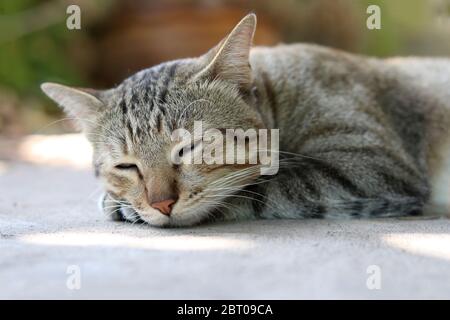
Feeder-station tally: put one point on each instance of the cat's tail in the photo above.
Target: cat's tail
(382, 207)
(374, 207)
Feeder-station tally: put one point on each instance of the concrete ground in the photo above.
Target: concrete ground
(52, 235)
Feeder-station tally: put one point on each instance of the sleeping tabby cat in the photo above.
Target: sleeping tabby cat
(359, 136)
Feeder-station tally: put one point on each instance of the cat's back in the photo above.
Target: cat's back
(297, 77)
(292, 61)
(432, 75)
(427, 73)
(321, 75)
(412, 93)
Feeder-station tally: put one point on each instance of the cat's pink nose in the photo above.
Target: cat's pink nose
(164, 206)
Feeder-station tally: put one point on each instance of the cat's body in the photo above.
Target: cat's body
(359, 137)
(381, 127)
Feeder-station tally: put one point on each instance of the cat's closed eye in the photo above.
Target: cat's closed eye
(129, 167)
(126, 166)
(188, 149)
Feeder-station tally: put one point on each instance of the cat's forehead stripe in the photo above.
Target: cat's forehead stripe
(169, 76)
(151, 86)
(144, 97)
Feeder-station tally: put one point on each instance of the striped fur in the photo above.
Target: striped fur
(359, 137)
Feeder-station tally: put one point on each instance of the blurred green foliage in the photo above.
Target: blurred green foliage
(29, 56)
(400, 19)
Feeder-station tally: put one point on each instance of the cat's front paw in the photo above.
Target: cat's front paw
(110, 207)
(117, 210)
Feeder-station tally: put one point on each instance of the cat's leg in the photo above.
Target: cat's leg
(117, 210)
(333, 188)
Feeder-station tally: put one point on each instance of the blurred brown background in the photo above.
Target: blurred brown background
(118, 38)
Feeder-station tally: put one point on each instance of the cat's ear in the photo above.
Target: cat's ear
(229, 60)
(81, 104)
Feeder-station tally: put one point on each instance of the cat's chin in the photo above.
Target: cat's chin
(157, 220)
(176, 219)
(163, 221)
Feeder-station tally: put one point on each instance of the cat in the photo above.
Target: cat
(358, 136)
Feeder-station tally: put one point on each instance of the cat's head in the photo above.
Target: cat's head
(131, 126)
